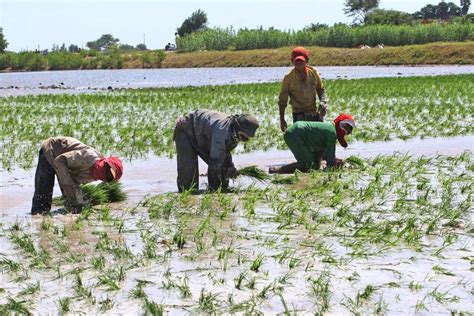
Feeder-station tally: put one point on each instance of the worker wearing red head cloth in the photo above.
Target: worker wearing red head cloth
(311, 141)
(74, 163)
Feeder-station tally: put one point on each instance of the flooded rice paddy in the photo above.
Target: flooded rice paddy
(390, 235)
(88, 81)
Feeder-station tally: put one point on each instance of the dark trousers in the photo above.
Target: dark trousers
(187, 157)
(301, 116)
(44, 184)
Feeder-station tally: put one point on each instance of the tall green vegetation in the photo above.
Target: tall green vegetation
(336, 36)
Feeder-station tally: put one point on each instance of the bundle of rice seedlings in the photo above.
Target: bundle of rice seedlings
(253, 172)
(355, 162)
(114, 191)
(101, 193)
(95, 194)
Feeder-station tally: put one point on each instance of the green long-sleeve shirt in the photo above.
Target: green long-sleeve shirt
(308, 139)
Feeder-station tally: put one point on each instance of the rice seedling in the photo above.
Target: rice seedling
(365, 99)
(208, 301)
(152, 308)
(30, 289)
(64, 305)
(257, 262)
(253, 172)
(13, 306)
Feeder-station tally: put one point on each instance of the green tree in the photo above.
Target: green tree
(105, 42)
(197, 21)
(393, 17)
(465, 4)
(316, 27)
(359, 9)
(3, 41)
(442, 11)
(141, 47)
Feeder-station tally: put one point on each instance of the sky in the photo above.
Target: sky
(33, 24)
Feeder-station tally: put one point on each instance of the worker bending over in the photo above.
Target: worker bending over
(210, 135)
(312, 141)
(74, 163)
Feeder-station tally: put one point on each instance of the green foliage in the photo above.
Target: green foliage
(197, 21)
(104, 192)
(61, 60)
(393, 17)
(339, 35)
(3, 41)
(211, 39)
(106, 41)
(359, 9)
(442, 11)
(253, 172)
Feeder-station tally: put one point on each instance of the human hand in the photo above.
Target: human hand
(232, 172)
(283, 126)
(322, 110)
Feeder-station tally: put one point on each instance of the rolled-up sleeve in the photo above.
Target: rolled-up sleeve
(63, 165)
(284, 92)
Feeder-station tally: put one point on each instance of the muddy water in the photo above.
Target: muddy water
(80, 81)
(157, 175)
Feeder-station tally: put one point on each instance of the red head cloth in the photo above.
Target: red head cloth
(98, 171)
(299, 53)
(341, 132)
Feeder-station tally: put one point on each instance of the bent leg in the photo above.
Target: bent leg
(187, 158)
(299, 149)
(44, 185)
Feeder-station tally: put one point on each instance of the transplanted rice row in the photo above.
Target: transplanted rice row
(135, 123)
(389, 234)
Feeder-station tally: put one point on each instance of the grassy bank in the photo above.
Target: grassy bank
(447, 53)
(428, 54)
(133, 123)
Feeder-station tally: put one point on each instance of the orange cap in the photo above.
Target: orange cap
(299, 53)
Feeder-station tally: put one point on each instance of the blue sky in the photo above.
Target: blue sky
(40, 23)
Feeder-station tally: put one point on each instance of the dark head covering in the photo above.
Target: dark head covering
(245, 123)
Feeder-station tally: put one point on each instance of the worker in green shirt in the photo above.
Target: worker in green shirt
(311, 141)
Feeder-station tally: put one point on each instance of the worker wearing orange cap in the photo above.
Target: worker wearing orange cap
(74, 163)
(302, 85)
(310, 141)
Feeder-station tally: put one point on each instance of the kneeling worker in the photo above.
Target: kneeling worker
(210, 135)
(74, 163)
(311, 141)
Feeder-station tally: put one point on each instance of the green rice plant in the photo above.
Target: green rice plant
(208, 301)
(238, 281)
(320, 288)
(30, 289)
(13, 306)
(152, 308)
(413, 108)
(64, 305)
(179, 239)
(253, 172)
(257, 262)
(355, 161)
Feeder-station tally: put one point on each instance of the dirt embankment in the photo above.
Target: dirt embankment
(428, 54)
